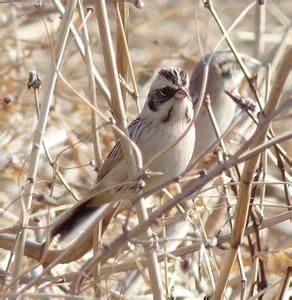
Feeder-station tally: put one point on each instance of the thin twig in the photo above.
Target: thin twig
(123, 36)
(92, 89)
(285, 284)
(117, 244)
(81, 48)
(39, 134)
(260, 23)
(34, 82)
(119, 113)
(121, 240)
(34, 249)
(248, 173)
(122, 11)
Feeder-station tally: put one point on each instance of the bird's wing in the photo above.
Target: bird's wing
(116, 153)
(78, 217)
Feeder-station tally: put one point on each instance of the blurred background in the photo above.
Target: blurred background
(162, 33)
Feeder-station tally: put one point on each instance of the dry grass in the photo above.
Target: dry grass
(199, 253)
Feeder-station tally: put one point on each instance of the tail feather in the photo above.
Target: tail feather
(78, 220)
(82, 217)
(70, 220)
(78, 223)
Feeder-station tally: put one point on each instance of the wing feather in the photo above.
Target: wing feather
(116, 154)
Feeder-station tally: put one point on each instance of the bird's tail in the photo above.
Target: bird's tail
(78, 220)
(71, 220)
(77, 223)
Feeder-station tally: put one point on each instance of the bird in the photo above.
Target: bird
(167, 114)
(224, 74)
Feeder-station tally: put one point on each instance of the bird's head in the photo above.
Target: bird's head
(168, 96)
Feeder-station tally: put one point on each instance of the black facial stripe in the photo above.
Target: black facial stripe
(167, 118)
(151, 102)
(165, 93)
(227, 67)
(157, 97)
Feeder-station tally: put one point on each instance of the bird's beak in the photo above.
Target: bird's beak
(182, 93)
(251, 62)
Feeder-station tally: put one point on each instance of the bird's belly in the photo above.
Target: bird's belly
(205, 130)
(174, 161)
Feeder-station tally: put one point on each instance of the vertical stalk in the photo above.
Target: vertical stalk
(98, 79)
(260, 22)
(242, 207)
(123, 39)
(120, 115)
(92, 89)
(122, 62)
(113, 81)
(39, 134)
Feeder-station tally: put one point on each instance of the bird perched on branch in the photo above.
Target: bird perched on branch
(224, 74)
(165, 121)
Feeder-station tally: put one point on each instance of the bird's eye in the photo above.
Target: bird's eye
(163, 92)
(227, 69)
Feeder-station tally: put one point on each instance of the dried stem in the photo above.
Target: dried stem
(39, 134)
(80, 46)
(34, 249)
(126, 53)
(260, 23)
(92, 89)
(225, 189)
(35, 83)
(250, 166)
(119, 265)
(285, 284)
(197, 185)
(122, 10)
(119, 113)
(7, 242)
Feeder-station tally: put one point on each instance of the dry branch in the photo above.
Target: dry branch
(242, 208)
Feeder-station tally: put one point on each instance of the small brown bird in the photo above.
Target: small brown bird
(224, 74)
(166, 115)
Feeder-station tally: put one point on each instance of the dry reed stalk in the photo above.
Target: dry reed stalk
(92, 88)
(225, 189)
(260, 25)
(278, 13)
(250, 166)
(119, 113)
(283, 44)
(113, 80)
(56, 284)
(285, 284)
(34, 82)
(262, 292)
(139, 229)
(270, 38)
(122, 11)
(123, 41)
(34, 250)
(99, 81)
(187, 250)
(38, 137)
(94, 119)
(52, 258)
(209, 5)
